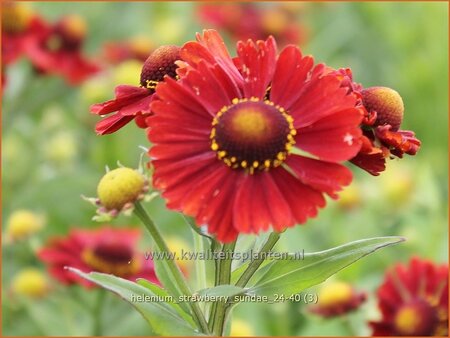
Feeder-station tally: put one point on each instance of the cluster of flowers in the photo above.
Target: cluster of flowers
(236, 141)
(246, 21)
(57, 48)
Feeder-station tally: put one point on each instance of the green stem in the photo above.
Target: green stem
(256, 263)
(174, 269)
(97, 313)
(200, 268)
(224, 278)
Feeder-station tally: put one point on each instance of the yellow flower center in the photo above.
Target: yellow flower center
(23, 223)
(119, 187)
(113, 258)
(334, 294)
(252, 134)
(417, 318)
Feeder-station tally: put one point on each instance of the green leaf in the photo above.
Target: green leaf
(163, 293)
(222, 291)
(163, 319)
(289, 277)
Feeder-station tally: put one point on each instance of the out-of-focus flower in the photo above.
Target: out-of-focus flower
(383, 114)
(240, 328)
(19, 23)
(126, 72)
(413, 300)
(177, 246)
(228, 128)
(132, 102)
(58, 50)
(61, 148)
(397, 185)
(137, 48)
(30, 282)
(106, 250)
(337, 298)
(350, 197)
(244, 21)
(22, 224)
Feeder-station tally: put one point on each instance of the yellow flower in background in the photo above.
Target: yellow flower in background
(397, 184)
(30, 282)
(350, 197)
(127, 72)
(22, 224)
(240, 328)
(177, 245)
(61, 148)
(337, 298)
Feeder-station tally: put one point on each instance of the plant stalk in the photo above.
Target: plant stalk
(174, 269)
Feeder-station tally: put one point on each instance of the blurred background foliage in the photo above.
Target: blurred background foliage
(51, 155)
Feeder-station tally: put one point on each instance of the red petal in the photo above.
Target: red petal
(290, 75)
(334, 138)
(257, 62)
(322, 176)
(112, 123)
(125, 95)
(320, 98)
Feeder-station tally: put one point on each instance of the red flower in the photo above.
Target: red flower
(223, 136)
(19, 24)
(414, 300)
(248, 21)
(383, 115)
(57, 50)
(106, 250)
(133, 49)
(133, 102)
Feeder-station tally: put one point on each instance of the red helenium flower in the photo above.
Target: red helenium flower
(106, 250)
(383, 115)
(19, 24)
(224, 136)
(413, 300)
(57, 49)
(132, 102)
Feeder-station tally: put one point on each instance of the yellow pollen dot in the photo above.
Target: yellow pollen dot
(267, 163)
(255, 164)
(234, 101)
(222, 153)
(214, 146)
(244, 164)
(280, 156)
(233, 159)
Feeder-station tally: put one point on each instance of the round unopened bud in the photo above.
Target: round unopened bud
(160, 63)
(120, 187)
(387, 103)
(30, 282)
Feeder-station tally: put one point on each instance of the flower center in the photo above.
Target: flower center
(417, 318)
(113, 258)
(252, 134)
(160, 63)
(15, 18)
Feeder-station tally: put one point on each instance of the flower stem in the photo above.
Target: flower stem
(256, 263)
(174, 269)
(98, 313)
(224, 277)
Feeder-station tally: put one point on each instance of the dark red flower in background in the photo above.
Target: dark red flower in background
(383, 114)
(133, 102)
(414, 300)
(19, 24)
(226, 136)
(106, 250)
(138, 48)
(57, 49)
(244, 21)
